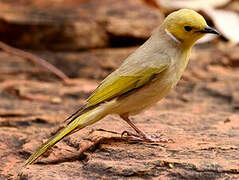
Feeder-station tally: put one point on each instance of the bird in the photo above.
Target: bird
(145, 77)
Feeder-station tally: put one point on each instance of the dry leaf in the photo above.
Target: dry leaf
(234, 6)
(192, 4)
(227, 22)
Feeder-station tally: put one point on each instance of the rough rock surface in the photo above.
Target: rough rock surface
(201, 115)
(71, 25)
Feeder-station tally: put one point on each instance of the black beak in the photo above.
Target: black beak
(211, 30)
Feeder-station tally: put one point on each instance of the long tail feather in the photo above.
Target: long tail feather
(80, 122)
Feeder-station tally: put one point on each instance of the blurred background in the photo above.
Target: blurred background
(55, 52)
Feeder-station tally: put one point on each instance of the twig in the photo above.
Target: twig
(35, 59)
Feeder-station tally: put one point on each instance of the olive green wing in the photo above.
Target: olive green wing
(132, 74)
(117, 84)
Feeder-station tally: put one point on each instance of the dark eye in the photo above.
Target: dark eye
(187, 28)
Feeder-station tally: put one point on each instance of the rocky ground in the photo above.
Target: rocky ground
(201, 115)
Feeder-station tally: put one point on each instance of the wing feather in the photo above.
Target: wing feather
(126, 78)
(114, 85)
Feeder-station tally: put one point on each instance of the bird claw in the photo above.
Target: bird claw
(131, 136)
(146, 138)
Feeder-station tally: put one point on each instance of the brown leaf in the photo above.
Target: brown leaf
(226, 22)
(192, 4)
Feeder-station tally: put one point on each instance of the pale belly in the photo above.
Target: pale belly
(146, 96)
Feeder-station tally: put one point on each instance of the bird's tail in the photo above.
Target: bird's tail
(80, 122)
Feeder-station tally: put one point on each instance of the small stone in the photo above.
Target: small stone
(171, 165)
(56, 100)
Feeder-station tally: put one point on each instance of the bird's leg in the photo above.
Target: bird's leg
(141, 136)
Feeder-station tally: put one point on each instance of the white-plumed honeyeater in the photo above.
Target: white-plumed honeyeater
(143, 79)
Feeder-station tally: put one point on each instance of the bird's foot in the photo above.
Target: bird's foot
(145, 138)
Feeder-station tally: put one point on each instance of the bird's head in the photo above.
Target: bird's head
(187, 26)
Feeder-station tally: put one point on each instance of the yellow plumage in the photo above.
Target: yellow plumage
(144, 78)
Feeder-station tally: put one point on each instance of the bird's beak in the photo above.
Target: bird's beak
(211, 30)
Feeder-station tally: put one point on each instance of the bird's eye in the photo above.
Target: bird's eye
(187, 28)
